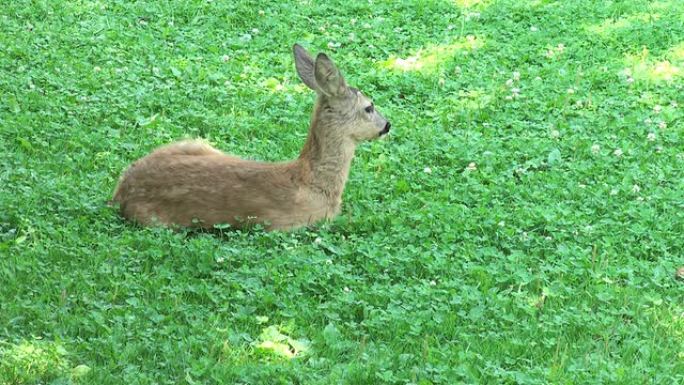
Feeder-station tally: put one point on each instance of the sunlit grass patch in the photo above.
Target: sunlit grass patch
(273, 342)
(666, 68)
(35, 362)
(433, 57)
(665, 5)
(472, 3)
(610, 26)
(676, 53)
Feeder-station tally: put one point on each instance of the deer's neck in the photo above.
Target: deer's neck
(326, 158)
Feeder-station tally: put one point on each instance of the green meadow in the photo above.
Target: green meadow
(522, 223)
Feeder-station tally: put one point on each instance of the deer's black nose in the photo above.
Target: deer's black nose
(386, 129)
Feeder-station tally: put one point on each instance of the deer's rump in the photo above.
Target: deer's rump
(205, 190)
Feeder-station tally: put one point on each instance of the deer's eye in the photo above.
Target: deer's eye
(369, 109)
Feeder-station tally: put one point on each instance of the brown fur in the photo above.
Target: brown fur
(190, 183)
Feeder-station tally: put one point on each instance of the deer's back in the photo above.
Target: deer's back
(207, 187)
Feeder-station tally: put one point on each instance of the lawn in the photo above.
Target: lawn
(522, 224)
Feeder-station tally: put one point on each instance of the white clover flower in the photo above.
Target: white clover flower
(509, 97)
(433, 283)
(618, 152)
(555, 134)
(613, 191)
(261, 12)
(427, 170)
(538, 78)
(516, 75)
(534, 29)
(561, 47)
(630, 80)
(515, 91)
(657, 108)
(595, 149)
(255, 30)
(662, 125)
(346, 289)
(651, 136)
(501, 224)
(225, 58)
(648, 121)
(509, 83)
(97, 69)
(636, 189)
(328, 262)
(571, 91)
(673, 104)
(471, 166)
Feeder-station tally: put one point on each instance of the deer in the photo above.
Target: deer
(190, 183)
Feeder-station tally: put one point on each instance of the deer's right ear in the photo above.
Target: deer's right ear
(305, 66)
(328, 77)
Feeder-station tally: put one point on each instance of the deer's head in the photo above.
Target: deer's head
(340, 107)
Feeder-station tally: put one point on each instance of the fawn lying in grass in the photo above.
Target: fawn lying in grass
(190, 183)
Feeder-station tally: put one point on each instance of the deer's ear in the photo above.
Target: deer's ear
(328, 77)
(305, 66)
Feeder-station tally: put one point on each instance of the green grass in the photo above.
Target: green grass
(550, 260)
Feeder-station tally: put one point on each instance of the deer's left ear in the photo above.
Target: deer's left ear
(328, 77)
